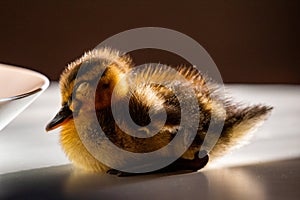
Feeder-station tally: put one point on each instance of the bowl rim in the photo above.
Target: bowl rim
(43, 87)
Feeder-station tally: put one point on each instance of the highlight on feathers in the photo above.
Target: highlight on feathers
(103, 79)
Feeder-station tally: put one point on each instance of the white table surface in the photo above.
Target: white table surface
(267, 168)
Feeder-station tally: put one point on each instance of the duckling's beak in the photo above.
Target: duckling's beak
(60, 118)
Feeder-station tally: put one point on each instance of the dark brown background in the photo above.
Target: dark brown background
(250, 41)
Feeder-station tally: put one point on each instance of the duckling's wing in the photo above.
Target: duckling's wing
(239, 120)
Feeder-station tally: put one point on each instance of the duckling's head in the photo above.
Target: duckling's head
(88, 83)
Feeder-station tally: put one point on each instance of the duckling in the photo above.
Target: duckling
(113, 76)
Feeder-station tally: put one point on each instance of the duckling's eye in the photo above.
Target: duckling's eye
(81, 87)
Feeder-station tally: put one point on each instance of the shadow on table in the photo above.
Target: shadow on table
(274, 180)
(63, 182)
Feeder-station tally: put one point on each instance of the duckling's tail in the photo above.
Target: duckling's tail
(237, 127)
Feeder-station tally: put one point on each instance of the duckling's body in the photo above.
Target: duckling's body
(116, 74)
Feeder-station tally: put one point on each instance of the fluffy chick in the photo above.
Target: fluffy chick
(106, 71)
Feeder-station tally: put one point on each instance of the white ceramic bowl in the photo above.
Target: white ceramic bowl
(19, 87)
